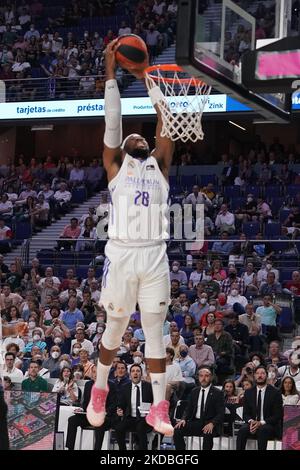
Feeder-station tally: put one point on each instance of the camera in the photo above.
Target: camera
(249, 370)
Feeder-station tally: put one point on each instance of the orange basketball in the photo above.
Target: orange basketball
(132, 54)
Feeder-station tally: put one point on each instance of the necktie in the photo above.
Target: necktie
(202, 403)
(138, 401)
(258, 410)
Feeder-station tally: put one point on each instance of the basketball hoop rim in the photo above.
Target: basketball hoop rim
(171, 68)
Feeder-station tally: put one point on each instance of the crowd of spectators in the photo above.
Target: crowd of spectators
(37, 42)
(40, 193)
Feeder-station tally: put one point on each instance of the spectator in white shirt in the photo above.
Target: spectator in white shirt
(196, 197)
(263, 273)
(174, 377)
(25, 194)
(6, 207)
(198, 275)
(172, 8)
(124, 29)
(85, 343)
(62, 197)
(12, 196)
(158, 7)
(225, 220)
(9, 369)
(49, 275)
(24, 18)
(47, 192)
(235, 297)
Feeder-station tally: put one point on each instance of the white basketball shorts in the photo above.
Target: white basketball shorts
(135, 275)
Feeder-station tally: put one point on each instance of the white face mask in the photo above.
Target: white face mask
(137, 359)
(36, 338)
(77, 375)
(57, 340)
(256, 362)
(234, 292)
(185, 308)
(100, 330)
(211, 308)
(271, 375)
(175, 269)
(203, 301)
(76, 350)
(249, 199)
(55, 354)
(208, 278)
(31, 324)
(268, 266)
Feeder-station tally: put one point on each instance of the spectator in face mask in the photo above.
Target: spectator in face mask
(179, 311)
(37, 336)
(52, 363)
(55, 336)
(97, 336)
(63, 361)
(272, 378)
(234, 297)
(85, 343)
(232, 279)
(199, 308)
(75, 350)
(187, 366)
(178, 274)
(263, 273)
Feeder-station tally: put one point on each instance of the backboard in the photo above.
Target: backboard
(213, 35)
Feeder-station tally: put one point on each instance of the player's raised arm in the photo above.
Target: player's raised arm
(112, 155)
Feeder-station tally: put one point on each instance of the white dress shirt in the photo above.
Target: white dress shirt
(207, 389)
(263, 391)
(133, 397)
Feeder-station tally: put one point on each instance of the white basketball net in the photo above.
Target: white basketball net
(183, 105)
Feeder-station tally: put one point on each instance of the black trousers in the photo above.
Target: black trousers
(263, 434)
(79, 420)
(137, 425)
(193, 428)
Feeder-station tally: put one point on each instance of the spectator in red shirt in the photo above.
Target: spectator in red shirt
(71, 231)
(5, 236)
(293, 286)
(109, 37)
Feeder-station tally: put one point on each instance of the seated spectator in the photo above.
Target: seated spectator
(289, 393)
(218, 273)
(167, 338)
(187, 366)
(62, 198)
(76, 175)
(225, 221)
(270, 287)
(6, 208)
(291, 226)
(252, 320)
(261, 250)
(222, 346)
(293, 287)
(263, 421)
(93, 176)
(66, 387)
(39, 359)
(250, 279)
(240, 336)
(197, 197)
(234, 297)
(231, 280)
(52, 362)
(87, 365)
(273, 378)
(263, 272)
(174, 344)
(263, 210)
(72, 315)
(268, 313)
(49, 274)
(85, 343)
(120, 376)
(34, 383)
(128, 357)
(37, 340)
(177, 274)
(201, 353)
(205, 420)
(71, 232)
(175, 289)
(292, 369)
(9, 368)
(128, 409)
(187, 331)
(58, 334)
(275, 356)
(198, 275)
(200, 307)
(174, 377)
(87, 236)
(207, 323)
(223, 247)
(5, 237)
(248, 210)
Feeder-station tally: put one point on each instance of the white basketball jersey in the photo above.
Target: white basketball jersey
(139, 203)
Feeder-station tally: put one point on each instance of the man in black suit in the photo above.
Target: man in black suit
(130, 399)
(263, 412)
(204, 413)
(80, 420)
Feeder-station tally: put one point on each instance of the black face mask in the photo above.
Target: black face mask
(140, 153)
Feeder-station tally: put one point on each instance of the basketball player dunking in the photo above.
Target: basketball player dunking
(136, 270)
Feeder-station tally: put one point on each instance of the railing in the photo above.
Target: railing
(58, 88)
